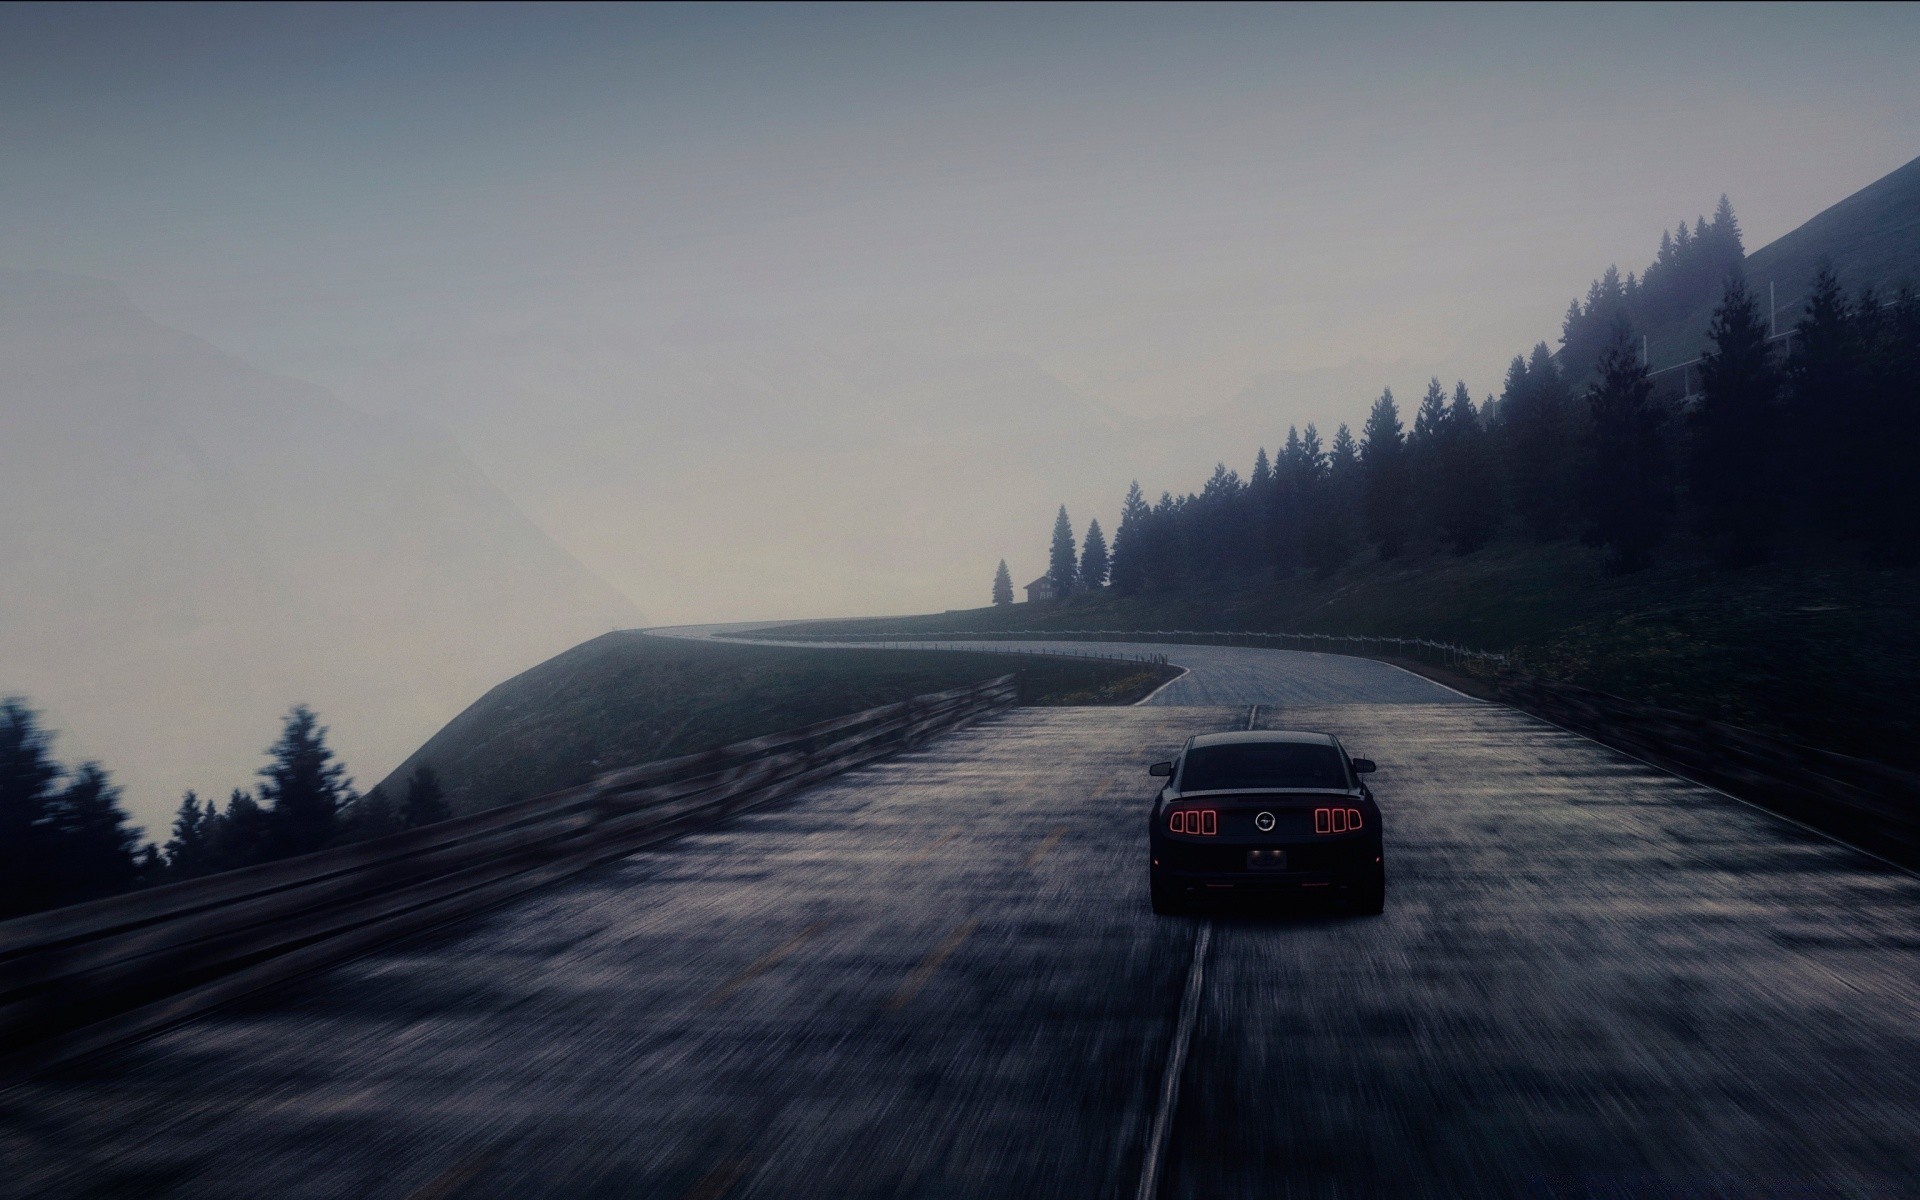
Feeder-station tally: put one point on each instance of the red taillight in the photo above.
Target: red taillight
(1336, 820)
(1202, 822)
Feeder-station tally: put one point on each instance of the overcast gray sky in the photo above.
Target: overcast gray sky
(1156, 207)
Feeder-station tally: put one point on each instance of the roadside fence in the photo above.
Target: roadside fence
(1425, 649)
(79, 979)
(1868, 803)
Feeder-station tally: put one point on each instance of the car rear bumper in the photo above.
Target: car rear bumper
(1224, 867)
(1225, 882)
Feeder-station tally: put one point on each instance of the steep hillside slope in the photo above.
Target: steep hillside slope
(628, 697)
(191, 545)
(1825, 652)
(1872, 238)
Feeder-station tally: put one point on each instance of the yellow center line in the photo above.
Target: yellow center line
(761, 965)
(451, 1181)
(1048, 843)
(935, 844)
(717, 1182)
(930, 964)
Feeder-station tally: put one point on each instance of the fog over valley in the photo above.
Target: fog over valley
(194, 545)
(364, 358)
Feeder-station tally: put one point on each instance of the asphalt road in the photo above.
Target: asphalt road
(938, 976)
(1215, 674)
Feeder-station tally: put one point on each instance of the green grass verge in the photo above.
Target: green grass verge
(1824, 651)
(627, 698)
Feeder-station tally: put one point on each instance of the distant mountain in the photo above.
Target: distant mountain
(775, 477)
(191, 545)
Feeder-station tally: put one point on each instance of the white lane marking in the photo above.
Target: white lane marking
(1424, 679)
(1153, 1161)
(1184, 672)
(1253, 714)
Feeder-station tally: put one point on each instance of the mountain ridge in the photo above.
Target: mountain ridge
(195, 544)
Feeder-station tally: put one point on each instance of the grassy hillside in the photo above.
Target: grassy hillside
(1872, 237)
(626, 698)
(1826, 652)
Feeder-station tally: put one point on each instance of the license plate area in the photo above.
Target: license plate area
(1266, 860)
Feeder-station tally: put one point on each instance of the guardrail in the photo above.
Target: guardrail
(77, 980)
(1332, 643)
(1868, 803)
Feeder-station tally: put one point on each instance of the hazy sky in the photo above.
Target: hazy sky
(1157, 207)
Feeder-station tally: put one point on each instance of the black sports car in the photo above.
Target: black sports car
(1265, 811)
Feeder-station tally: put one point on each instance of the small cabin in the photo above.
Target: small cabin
(1041, 589)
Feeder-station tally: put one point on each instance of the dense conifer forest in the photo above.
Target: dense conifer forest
(64, 837)
(1768, 443)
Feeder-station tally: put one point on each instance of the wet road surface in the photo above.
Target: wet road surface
(938, 976)
(1215, 674)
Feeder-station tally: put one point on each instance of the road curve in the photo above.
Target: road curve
(1215, 674)
(938, 976)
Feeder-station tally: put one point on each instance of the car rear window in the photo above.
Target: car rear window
(1262, 765)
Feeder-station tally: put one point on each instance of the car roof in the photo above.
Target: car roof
(1257, 736)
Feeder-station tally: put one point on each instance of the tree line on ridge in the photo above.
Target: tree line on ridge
(64, 837)
(1811, 435)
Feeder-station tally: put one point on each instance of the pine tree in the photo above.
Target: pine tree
(1221, 526)
(1062, 565)
(1571, 327)
(1128, 572)
(28, 775)
(1469, 500)
(1888, 335)
(1332, 524)
(426, 799)
(1429, 418)
(1424, 458)
(304, 787)
(1726, 233)
(92, 851)
(1285, 514)
(191, 851)
(1736, 478)
(1313, 457)
(1260, 518)
(1002, 585)
(243, 834)
(1828, 406)
(1343, 454)
(1383, 457)
(152, 867)
(1539, 443)
(373, 815)
(1627, 489)
(1166, 556)
(1093, 558)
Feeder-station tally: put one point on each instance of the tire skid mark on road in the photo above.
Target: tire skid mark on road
(926, 852)
(454, 1180)
(1049, 842)
(763, 964)
(931, 964)
(717, 1182)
